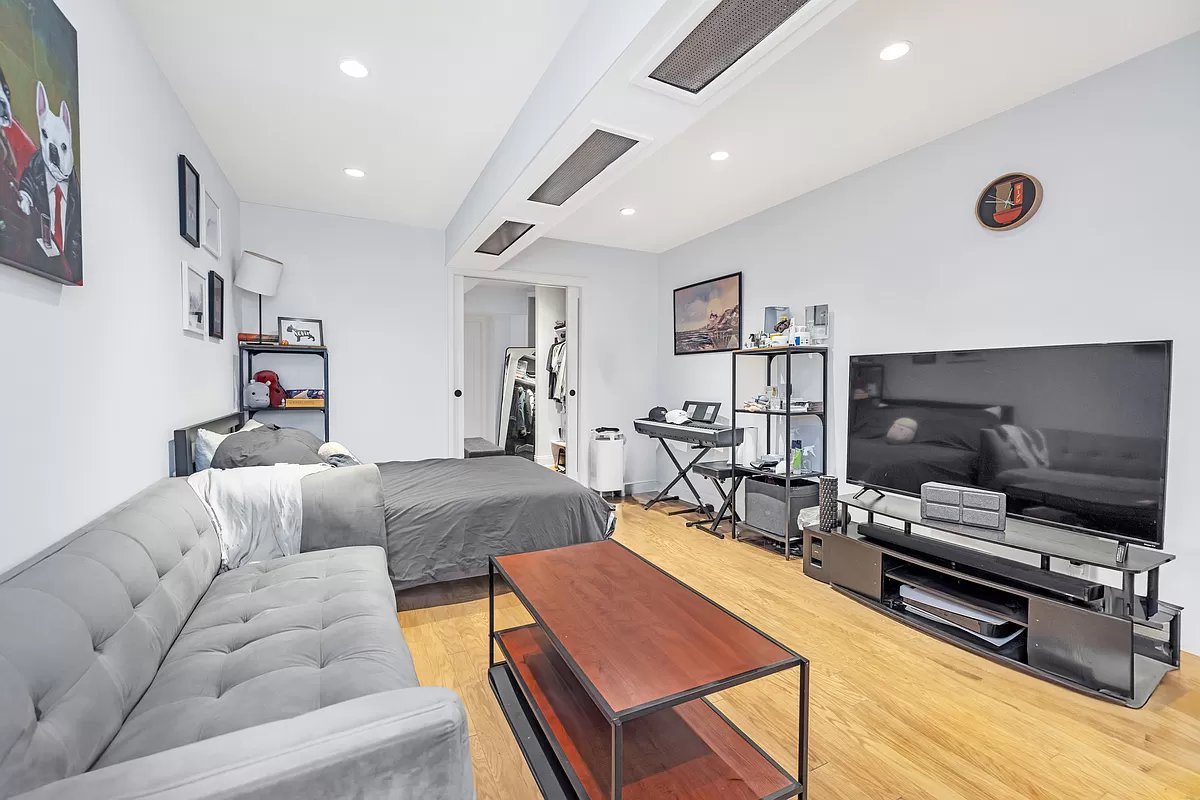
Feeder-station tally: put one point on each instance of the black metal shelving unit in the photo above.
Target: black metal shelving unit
(246, 353)
(786, 415)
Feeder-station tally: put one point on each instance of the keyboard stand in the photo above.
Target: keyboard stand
(681, 473)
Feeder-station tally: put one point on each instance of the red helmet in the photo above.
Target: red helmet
(271, 379)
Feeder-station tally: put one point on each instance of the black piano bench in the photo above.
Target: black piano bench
(718, 472)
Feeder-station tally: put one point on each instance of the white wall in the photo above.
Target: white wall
(97, 377)
(617, 332)
(896, 252)
(381, 291)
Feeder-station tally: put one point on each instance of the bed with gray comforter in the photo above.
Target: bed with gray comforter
(443, 517)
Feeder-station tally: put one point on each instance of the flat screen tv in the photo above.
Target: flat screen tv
(1075, 436)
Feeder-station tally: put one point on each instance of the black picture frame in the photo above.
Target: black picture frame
(216, 305)
(189, 224)
(318, 337)
(735, 342)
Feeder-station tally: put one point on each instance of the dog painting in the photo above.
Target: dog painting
(301, 332)
(40, 201)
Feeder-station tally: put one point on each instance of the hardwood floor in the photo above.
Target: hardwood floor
(896, 715)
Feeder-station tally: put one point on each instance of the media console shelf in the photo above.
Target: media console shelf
(1101, 640)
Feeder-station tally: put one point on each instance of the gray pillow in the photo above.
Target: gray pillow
(263, 447)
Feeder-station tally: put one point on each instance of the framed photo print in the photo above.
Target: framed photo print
(866, 382)
(708, 316)
(301, 332)
(195, 300)
(210, 231)
(189, 202)
(216, 305)
(40, 161)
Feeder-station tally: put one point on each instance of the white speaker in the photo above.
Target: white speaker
(963, 504)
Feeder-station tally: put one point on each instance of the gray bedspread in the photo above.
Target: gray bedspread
(446, 516)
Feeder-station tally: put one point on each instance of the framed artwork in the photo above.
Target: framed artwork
(40, 199)
(189, 202)
(301, 332)
(1008, 202)
(210, 231)
(195, 300)
(708, 316)
(216, 305)
(866, 382)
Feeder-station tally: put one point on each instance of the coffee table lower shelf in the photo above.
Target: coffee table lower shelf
(689, 750)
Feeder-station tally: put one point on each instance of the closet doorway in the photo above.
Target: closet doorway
(515, 393)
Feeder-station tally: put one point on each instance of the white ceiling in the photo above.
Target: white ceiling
(260, 80)
(831, 107)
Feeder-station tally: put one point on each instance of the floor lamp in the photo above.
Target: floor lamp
(259, 274)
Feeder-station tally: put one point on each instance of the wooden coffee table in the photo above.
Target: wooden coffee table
(606, 691)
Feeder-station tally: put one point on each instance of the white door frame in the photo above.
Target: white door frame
(481, 369)
(575, 286)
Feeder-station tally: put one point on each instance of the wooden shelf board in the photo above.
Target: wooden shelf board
(688, 750)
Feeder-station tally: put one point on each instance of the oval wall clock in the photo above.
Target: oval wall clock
(1008, 202)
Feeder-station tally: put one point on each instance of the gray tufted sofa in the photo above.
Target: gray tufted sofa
(130, 668)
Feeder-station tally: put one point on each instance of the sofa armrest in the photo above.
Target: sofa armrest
(408, 744)
(343, 507)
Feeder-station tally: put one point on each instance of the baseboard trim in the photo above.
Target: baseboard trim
(642, 487)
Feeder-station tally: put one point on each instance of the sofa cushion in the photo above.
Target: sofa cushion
(84, 627)
(270, 641)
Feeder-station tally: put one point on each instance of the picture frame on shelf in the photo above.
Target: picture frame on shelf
(301, 332)
(189, 202)
(210, 229)
(708, 316)
(195, 299)
(216, 305)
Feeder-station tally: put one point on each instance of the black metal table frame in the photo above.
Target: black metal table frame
(798, 784)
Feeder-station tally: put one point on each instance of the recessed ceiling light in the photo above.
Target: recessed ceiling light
(354, 172)
(355, 69)
(720, 155)
(895, 50)
(628, 212)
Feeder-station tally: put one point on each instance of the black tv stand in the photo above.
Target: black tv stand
(865, 489)
(1101, 640)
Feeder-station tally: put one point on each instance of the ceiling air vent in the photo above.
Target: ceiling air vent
(591, 158)
(504, 237)
(731, 30)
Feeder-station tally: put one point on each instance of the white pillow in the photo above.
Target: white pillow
(251, 425)
(207, 443)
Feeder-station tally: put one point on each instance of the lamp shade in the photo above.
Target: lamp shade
(258, 273)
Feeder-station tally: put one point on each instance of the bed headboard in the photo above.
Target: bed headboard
(1004, 413)
(183, 443)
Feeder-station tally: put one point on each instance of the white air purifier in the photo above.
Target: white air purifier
(606, 460)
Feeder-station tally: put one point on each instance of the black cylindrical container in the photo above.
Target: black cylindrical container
(827, 495)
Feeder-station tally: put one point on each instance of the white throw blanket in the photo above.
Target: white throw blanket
(257, 511)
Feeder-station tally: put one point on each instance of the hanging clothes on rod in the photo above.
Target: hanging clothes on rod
(556, 366)
(518, 403)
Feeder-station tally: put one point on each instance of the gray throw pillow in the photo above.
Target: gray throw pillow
(264, 447)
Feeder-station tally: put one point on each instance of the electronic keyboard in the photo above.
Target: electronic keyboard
(702, 434)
